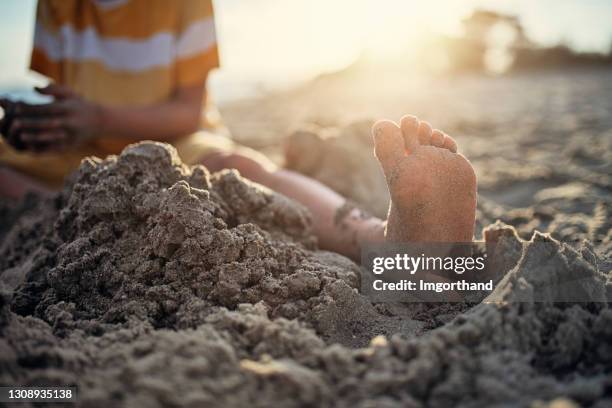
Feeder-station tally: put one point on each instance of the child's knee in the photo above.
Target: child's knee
(247, 166)
(244, 164)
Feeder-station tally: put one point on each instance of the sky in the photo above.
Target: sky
(288, 39)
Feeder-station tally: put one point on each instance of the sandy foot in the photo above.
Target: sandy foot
(432, 187)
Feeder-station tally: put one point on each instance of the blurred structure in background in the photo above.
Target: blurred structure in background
(496, 43)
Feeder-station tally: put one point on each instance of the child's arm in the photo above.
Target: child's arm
(70, 116)
(165, 121)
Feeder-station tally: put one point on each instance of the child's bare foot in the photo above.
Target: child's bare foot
(433, 188)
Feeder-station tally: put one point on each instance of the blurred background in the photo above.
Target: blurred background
(266, 44)
(524, 86)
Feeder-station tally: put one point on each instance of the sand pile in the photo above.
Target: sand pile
(144, 237)
(149, 283)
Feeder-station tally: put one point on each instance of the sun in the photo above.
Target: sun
(322, 36)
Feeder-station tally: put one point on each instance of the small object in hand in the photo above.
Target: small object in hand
(13, 139)
(9, 113)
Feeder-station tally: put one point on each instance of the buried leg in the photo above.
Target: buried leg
(339, 227)
(433, 190)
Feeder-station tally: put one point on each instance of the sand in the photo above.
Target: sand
(147, 282)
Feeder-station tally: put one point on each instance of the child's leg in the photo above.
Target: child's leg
(14, 185)
(338, 226)
(432, 188)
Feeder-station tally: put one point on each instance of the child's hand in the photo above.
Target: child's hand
(64, 123)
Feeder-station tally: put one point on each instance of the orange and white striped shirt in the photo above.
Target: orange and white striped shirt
(125, 52)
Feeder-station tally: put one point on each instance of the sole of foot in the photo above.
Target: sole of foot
(432, 187)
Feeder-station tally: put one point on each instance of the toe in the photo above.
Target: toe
(388, 144)
(449, 143)
(410, 126)
(424, 133)
(437, 138)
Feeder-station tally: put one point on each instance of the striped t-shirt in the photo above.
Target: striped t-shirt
(125, 52)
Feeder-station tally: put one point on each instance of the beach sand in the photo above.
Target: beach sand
(150, 283)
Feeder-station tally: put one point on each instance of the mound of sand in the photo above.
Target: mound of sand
(150, 283)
